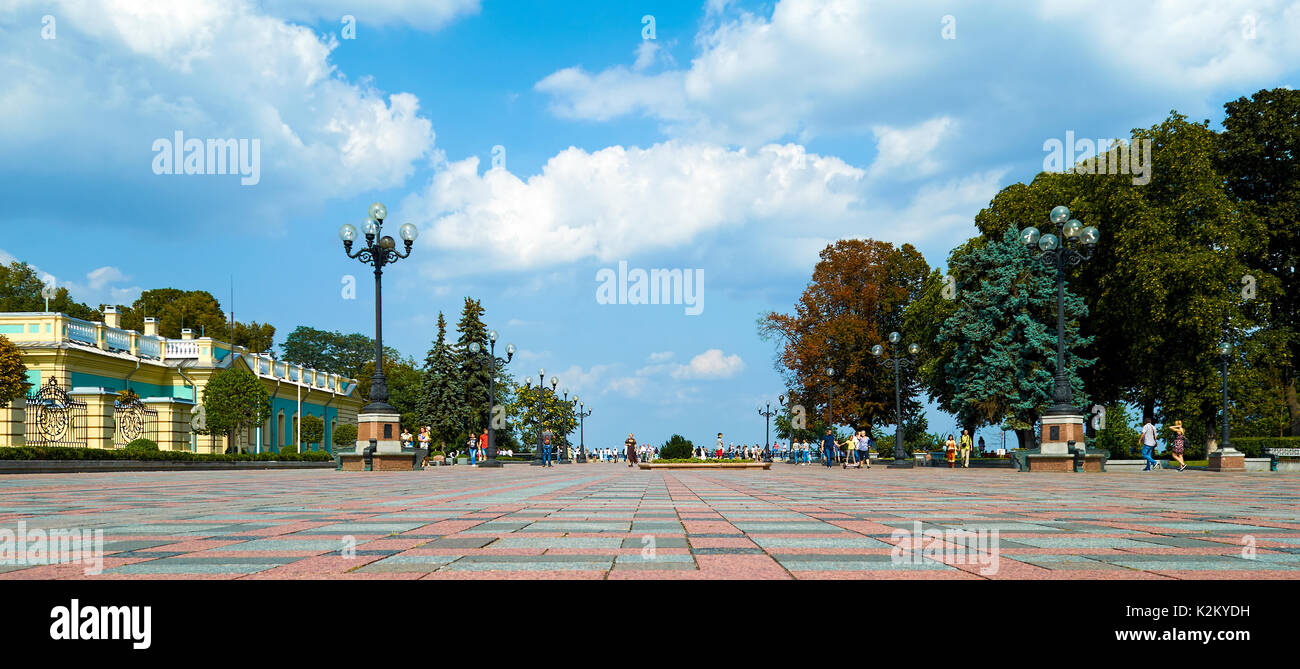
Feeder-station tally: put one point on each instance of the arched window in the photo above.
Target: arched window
(279, 432)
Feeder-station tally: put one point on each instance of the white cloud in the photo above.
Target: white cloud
(100, 286)
(121, 74)
(711, 364)
(619, 201)
(662, 356)
(815, 67)
(909, 152)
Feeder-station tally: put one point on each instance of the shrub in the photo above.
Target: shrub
(345, 435)
(677, 448)
(142, 445)
(289, 449)
(1254, 447)
(313, 429)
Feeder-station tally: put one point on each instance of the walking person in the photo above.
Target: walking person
(1148, 442)
(482, 448)
(1180, 444)
(631, 449)
(982, 450)
(471, 447)
(966, 446)
(547, 449)
(864, 449)
(950, 451)
(828, 447)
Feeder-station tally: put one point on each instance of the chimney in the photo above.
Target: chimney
(151, 327)
(111, 318)
(187, 334)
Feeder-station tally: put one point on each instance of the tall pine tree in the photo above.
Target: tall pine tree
(441, 403)
(1005, 352)
(473, 370)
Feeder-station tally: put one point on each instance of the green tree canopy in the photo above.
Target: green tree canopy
(313, 429)
(20, 290)
(13, 373)
(234, 399)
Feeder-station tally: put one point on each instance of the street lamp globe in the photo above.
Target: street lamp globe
(1029, 236)
(1072, 228)
(474, 347)
(492, 336)
(510, 349)
(1060, 215)
(894, 337)
(1090, 235)
(370, 227)
(1225, 349)
(541, 373)
(408, 232)
(913, 348)
(348, 232)
(387, 243)
(877, 350)
(1048, 242)
(378, 211)
(554, 381)
(830, 371)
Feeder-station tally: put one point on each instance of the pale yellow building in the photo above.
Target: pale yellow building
(78, 368)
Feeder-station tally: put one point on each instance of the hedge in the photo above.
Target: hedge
(61, 453)
(1254, 447)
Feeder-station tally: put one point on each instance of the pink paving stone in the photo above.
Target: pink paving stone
(722, 542)
(882, 575)
(549, 575)
(741, 567)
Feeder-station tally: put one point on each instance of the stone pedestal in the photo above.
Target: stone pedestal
(1054, 454)
(1227, 460)
(384, 428)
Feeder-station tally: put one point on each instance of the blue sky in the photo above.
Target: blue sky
(739, 141)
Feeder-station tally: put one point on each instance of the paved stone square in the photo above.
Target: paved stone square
(599, 521)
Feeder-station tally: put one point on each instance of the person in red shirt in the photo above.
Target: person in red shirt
(482, 446)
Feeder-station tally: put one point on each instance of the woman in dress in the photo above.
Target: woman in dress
(950, 450)
(631, 450)
(1180, 444)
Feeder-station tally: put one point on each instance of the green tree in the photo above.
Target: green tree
(256, 337)
(234, 399)
(13, 373)
(352, 355)
(403, 379)
(472, 371)
(313, 430)
(1119, 437)
(345, 435)
(441, 401)
(1005, 353)
(1259, 157)
(677, 448)
(20, 290)
(175, 310)
(532, 406)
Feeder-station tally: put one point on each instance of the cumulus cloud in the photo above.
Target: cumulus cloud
(711, 364)
(105, 285)
(817, 67)
(618, 201)
(213, 69)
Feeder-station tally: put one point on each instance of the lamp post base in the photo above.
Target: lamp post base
(1227, 459)
(900, 464)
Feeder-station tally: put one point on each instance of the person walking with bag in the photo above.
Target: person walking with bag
(966, 446)
(950, 451)
(1148, 442)
(1180, 444)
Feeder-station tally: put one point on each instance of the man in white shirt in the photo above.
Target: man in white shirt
(1149, 444)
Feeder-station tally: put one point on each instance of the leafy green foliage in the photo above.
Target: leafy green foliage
(233, 399)
(345, 434)
(142, 445)
(676, 448)
(441, 401)
(13, 373)
(349, 355)
(20, 290)
(313, 429)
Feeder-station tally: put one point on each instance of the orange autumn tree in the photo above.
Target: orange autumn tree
(857, 296)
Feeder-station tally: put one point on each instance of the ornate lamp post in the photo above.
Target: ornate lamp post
(1071, 245)
(474, 348)
(378, 419)
(1226, 458)
(541, 400)
(582, 443)
(897, 363)
(767, 428)
(564, 452)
